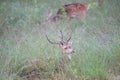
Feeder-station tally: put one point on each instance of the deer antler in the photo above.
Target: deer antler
(51, 41)
(61, 36)
(61, 41)
(69, 39)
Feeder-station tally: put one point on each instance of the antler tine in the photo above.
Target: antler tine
(69, 39)
(51, 41)
(61, 36)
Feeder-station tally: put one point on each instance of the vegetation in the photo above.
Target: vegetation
(26, 54)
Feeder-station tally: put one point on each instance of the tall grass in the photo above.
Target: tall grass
(24, 48)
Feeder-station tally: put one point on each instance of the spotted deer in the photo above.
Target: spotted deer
(100, 2)
(73, 10)
(66, 46)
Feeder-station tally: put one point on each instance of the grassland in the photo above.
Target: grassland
(25, 54)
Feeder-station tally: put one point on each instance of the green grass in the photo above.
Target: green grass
(96, 41)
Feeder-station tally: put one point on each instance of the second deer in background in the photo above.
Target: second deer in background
(71, 10)
(100, 2)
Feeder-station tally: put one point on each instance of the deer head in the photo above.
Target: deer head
(66, 46)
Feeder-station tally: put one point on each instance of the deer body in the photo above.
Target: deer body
(100, 2)
(72, 11)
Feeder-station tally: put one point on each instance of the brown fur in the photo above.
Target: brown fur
(100, 2)
(72, 11)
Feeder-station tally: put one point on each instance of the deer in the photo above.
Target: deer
(100, 2)
(73, 10)
(66, 46)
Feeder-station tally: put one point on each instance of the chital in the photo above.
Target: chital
(66, 46)
(73, 10)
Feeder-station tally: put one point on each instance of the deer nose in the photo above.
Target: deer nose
(73, 51)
